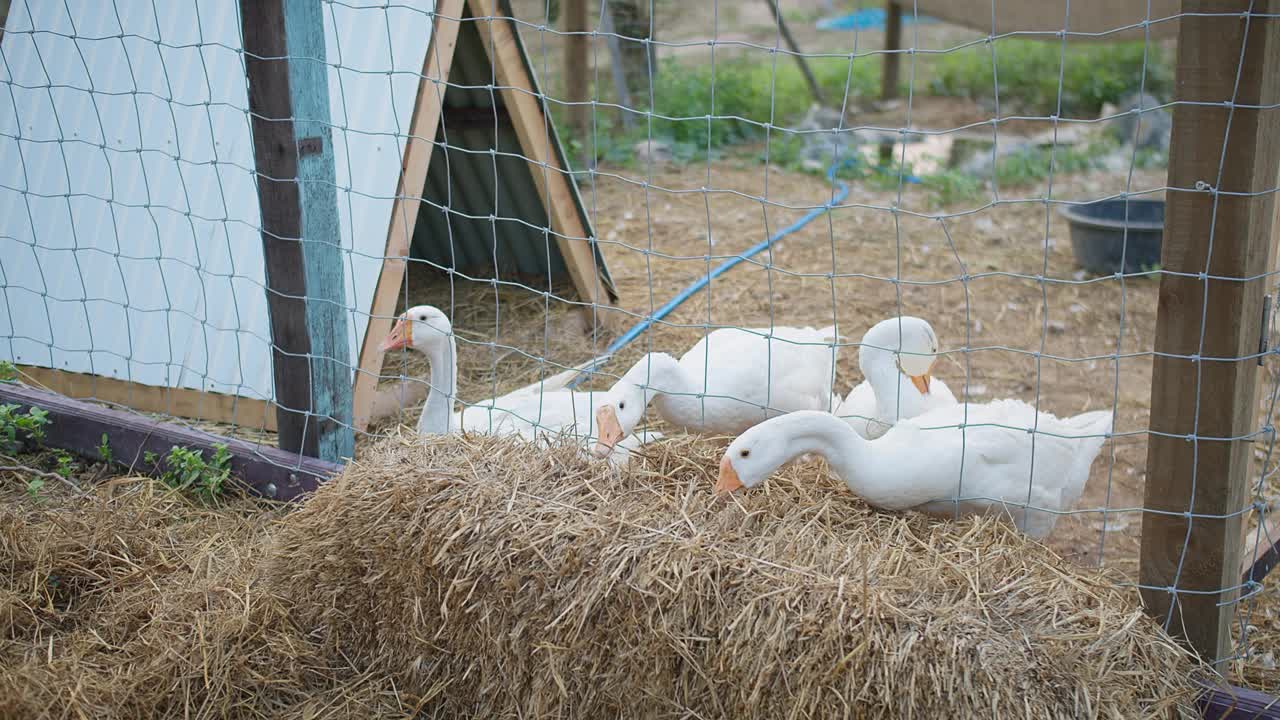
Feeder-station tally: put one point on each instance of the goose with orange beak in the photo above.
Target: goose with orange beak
(543, 408)
(957, 460)
(730, 380)
(896, 356)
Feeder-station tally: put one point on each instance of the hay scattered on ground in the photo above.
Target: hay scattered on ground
(475, 576)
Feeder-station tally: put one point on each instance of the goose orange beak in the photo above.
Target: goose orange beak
(921, 382)
(609, 428)
(399, 337)
(728, 481)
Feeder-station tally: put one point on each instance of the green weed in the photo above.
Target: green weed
(64, 463)
(18, 428)
(186, 469)
(104, 449)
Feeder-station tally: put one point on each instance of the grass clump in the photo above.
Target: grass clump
(699, 108)
(1028, 72)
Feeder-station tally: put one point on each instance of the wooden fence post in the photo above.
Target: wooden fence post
(1208, 327)
(890, 65)
(576, 74)
(293, 154)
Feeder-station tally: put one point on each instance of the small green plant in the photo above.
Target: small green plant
(34, 485)
(951, 186)
(104, 449)
(8, 372)
(150, 458)
(64, 464)
(18, 428)
(186, 469)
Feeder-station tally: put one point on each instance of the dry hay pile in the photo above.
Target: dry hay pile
(478, 577)
(136, 603)
(514, 582)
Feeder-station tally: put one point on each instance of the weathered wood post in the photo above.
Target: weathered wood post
(890, 65)
(1223, 166)
(577, 62)
(293, 153)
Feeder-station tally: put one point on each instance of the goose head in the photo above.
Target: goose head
(755, 454)
(617, 415)
(623, 406)
(915, 350)
(423, 328)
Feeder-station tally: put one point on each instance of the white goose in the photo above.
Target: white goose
(896, 357)
(725, 382)
(542, 408)
(930, 464)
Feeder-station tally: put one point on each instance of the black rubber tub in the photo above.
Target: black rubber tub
(1099, 238)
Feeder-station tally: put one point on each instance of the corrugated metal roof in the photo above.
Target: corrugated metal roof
(466, 185)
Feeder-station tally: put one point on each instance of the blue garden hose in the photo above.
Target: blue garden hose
(842, 192)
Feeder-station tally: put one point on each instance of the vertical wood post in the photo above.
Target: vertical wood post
(892, 61)
(1208, 328)
(576, 75)
(615, 66)
(293, 154)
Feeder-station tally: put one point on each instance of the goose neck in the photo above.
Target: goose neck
(437, 414)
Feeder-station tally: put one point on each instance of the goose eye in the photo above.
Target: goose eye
(745, 453)
(622, 404)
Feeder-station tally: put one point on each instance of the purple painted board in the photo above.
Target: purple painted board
(1227, 702)
(78, 427)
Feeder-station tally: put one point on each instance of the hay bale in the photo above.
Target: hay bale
(137, 603)
(492, 579)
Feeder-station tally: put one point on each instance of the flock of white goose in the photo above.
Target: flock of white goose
(900, 439)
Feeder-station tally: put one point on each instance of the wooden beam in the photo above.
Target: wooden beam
(890, 64)
(814, 88)
(327, 316)
(1228, 702)
(404, 209)
(1203, 389)
(576, 63)
(179, 402)
(293, 157)
(79, 426)
(533, 129)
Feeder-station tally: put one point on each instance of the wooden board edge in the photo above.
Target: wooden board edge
(419, 146)
(178, 402)
(1228, 702)
(531, 124)
(78, 427)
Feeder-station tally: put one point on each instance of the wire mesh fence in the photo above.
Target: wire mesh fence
(600, 186)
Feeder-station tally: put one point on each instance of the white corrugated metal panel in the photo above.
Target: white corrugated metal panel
(129, 219)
